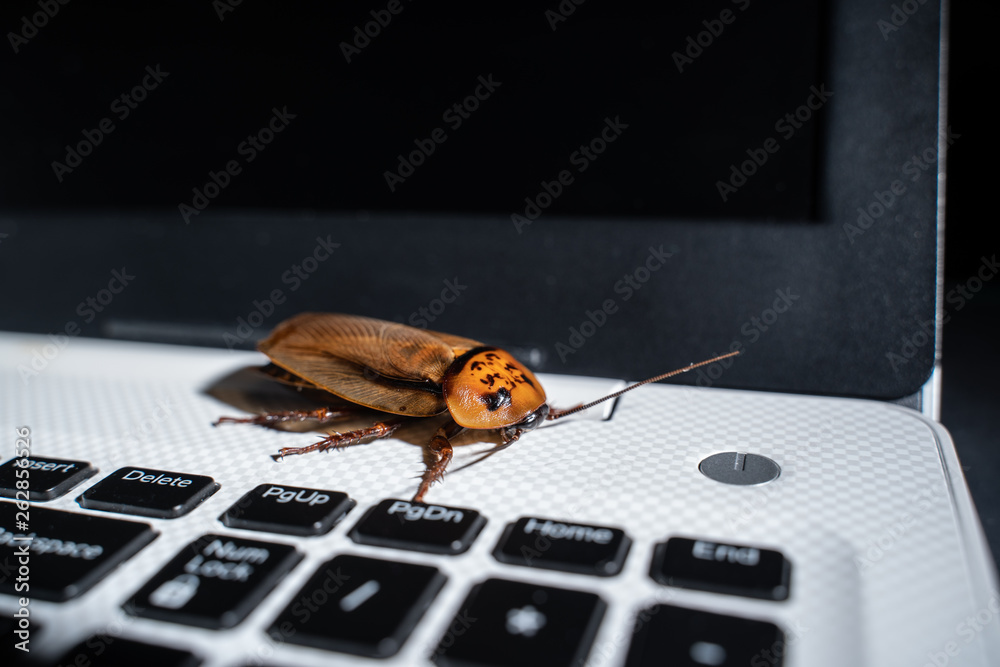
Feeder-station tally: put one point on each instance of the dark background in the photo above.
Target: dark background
(970, 355)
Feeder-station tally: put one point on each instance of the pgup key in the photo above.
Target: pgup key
(291, 510)
(306, 496)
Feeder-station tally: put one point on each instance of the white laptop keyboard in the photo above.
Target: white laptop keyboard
(160, 540)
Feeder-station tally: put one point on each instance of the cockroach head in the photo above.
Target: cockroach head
(528, 423)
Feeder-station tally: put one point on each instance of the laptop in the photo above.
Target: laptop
(604, 194)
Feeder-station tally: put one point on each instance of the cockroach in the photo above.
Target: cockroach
(408, 373)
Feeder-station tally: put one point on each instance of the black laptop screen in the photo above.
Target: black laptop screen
(611, 189)
(646, 110)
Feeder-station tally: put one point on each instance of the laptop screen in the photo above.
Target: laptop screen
(605, 190)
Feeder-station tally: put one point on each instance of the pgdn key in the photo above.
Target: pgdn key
(401, 524)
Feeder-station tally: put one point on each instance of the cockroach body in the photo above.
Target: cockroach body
(408, 373)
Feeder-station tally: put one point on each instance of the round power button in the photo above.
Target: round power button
(740, 468)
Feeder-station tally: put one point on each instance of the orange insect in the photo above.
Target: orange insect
(408, 372)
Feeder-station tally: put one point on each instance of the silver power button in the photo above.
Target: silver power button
(740, 468)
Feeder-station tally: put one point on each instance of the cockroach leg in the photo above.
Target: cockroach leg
(340, 440)
(440, 451)
(321, 416)
(508, 440)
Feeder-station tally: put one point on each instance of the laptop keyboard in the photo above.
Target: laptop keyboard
(366, 606)
(611, 538)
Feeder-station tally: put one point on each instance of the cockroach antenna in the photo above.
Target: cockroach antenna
(565, 413)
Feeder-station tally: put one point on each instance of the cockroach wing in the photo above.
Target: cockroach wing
(458, 344)
(381, 365)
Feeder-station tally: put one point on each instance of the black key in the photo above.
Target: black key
(288, 509)
(68, 552)
(47, 478)
(513, 623)
(722, 568)
(214, 582)
(111, 651)
(357, 605)
(668, 635)
(401, 524)
(549, 544)
(155, 493)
